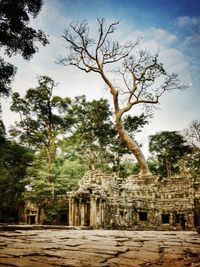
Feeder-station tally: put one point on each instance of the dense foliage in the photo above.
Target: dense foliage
(14, 160)
(16, 36)
(168, 148)
(94, 140)
(42, 118)
(67, 137)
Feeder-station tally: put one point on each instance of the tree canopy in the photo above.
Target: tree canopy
(42, 117)
(16, 36)
(168, 148)
(93, 138)
(14, 160)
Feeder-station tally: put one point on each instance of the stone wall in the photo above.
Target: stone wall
(106, 201)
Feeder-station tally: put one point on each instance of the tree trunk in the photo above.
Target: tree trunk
(91, 158)
(128, 141)
(50, 151)
(133, 147)
(91, 153)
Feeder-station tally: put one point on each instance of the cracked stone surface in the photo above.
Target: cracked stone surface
(68, 247)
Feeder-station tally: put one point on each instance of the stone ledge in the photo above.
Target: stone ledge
(13, 227)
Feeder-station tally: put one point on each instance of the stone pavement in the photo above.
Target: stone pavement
(68, 247)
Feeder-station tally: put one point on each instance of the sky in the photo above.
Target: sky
(171, 27)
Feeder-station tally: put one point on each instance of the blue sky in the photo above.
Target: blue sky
(169, 26)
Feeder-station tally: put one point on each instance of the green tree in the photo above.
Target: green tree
(68, 172)
(14, 160)
(167, 149)
(7, 73)
(40, 189)
(65, 175)
(2, 132)
(43, 117)
(16, 36)
(139, 79)
(94, 140)
(92, 128)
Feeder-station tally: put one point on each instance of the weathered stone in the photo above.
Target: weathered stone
(136, 203)
(143, 255)
(171, 243)
(54, 261)
(22, 262)
(122, 262)
(104, 201)
(103, 249)
(133, 245)
(19, 252)
(99, 248)
(173, 253)
(152, 246)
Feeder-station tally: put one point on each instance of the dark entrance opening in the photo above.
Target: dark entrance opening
(196, 212)
(64, 218)
(182, 221)
(165, 218)
(87, 214)
(31, 219)
(143, 216)
(177, 218)
(197, 219)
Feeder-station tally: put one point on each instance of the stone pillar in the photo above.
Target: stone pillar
(71, 212)
(100, 212)
(190, 222)
(82, 211)
(93, 215)
(171, 218)
(77, 213)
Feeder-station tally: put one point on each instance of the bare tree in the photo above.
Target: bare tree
(141, 79)
(192, 134)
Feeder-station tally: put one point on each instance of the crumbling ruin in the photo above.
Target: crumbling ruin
(106, 201)
(137, 203)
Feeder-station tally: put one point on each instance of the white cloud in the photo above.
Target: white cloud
(160, 36)
(192, 40)
(50, 19)
(157, 40)
(175, 61)
(188, 21)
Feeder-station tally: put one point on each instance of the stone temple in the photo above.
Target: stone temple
(137, 203)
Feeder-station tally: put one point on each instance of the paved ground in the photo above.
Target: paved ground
(68, 247)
